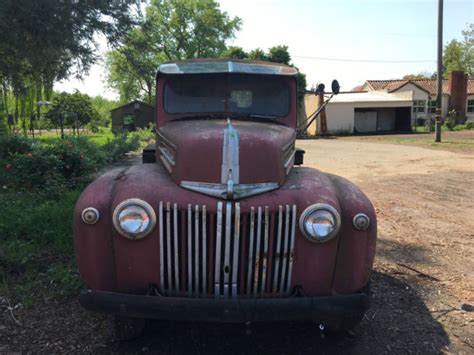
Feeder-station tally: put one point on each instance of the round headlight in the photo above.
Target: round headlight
(320, 222)
(134, 218)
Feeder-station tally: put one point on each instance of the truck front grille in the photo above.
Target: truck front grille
(227, 255)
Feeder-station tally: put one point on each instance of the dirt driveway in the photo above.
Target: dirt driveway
(423, 283)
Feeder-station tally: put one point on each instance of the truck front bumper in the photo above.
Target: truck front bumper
(336, 310)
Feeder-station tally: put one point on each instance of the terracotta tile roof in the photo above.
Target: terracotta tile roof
(359, 88)
(428, 85)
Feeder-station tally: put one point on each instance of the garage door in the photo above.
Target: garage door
(365, 121)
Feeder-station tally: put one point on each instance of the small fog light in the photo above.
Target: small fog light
(361, 221)
(90, 215)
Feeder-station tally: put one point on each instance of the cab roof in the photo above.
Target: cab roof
(212, 66)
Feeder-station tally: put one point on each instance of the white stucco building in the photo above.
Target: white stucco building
(394, 105)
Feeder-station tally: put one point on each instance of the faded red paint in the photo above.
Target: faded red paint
(110, 262)
(198, 152)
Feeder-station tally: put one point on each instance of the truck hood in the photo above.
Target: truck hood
(226, 158)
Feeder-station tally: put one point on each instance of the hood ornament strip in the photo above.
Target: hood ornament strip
(229, 188)
(230, 155)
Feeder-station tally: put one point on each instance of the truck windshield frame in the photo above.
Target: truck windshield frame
(236, 94)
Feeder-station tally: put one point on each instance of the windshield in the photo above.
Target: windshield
(245, 94)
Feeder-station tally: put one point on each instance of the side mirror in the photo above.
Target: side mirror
(320, 89)
(335, 87)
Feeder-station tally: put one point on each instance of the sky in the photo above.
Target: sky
(348, 40)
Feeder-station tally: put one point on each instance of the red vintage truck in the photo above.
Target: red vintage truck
(222, 225)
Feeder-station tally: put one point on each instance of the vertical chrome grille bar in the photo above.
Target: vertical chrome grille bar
(265, 251)
(285, 249)
(257, 251)
(228, 226)
(235, 257)
(196, 250)
(292, 247)
(190, 251)
(217, 271)
(162, 251)
(168, 246)
(204, 252)
(277, 250)
(250, 259)
(176, 252)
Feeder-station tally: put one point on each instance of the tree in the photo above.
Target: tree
(417, 76)
(234, 53)
(76, 110)
(468, 45)
(279, 54)
(49, 40)
(459, 55)
(257, 54)
(453, 57)
(170, 30)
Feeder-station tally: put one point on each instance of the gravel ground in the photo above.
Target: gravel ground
(422, 285)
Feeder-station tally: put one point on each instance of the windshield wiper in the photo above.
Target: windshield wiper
(263, 116)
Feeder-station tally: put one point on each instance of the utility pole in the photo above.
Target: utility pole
(439, 98)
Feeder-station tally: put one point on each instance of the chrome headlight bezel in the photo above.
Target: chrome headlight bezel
(141, 204)
(320, 207)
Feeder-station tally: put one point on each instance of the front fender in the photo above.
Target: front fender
(356, 249)
(94, 244)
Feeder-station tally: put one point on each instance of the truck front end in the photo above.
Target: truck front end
(223, 227)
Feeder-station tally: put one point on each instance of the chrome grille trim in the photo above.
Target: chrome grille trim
(217, 270)
(204, 251)
(227, 241)
(277, 251)
(196, 250)
(265, 251)
(168, 243)
(176, 252)
(254, 251)
(162, 248)
(257, 251)
(251, 247)
(292, 248)
(190, 250)
(285, 248)
(235, 257)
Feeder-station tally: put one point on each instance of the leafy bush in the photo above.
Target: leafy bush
(119, 145)
(144, 134)
(57, 164)
(450, 121)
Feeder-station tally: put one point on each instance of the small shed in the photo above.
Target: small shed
(133, 115)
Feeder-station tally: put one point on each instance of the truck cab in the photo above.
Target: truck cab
(223, 226)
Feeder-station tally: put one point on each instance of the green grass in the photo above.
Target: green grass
(98, 138)
(37, 246)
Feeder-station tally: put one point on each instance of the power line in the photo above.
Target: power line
(364, 60)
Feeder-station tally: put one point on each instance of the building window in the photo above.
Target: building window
(432, 106)
(470, 105)
(419, 106)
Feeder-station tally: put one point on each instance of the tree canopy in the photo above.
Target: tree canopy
(45, 41)
(170, 30)
(74, 108)
(459, 55)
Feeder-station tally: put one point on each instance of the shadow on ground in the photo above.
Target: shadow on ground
(397, 322)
